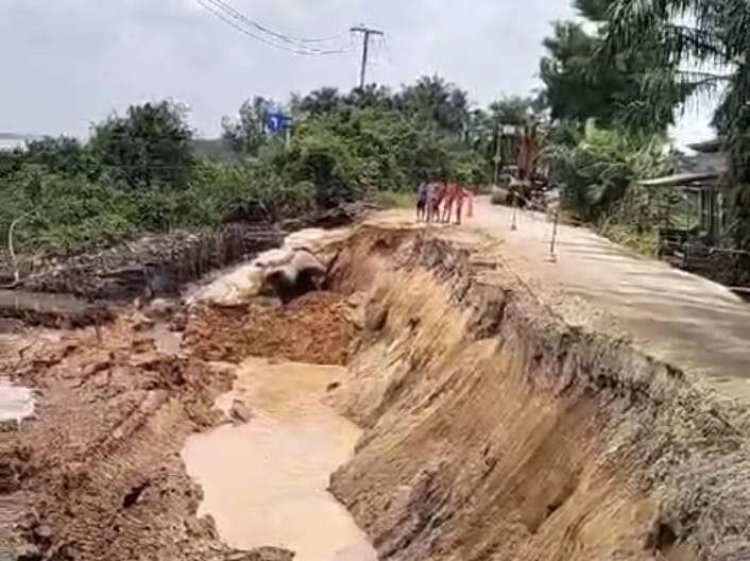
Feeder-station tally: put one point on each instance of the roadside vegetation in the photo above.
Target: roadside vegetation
(613, 81)
(145, 172)
(605, 132)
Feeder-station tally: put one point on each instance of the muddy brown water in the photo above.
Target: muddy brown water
(265, 482)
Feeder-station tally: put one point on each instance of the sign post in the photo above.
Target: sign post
(279, 123)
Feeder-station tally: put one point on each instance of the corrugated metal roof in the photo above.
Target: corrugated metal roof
(707, 146)
(681, 180)
(7, 144)
(704, 163)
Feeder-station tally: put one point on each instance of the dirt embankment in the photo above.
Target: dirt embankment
(160, 264)
(314, 328)
(495, 430)
(68, 291)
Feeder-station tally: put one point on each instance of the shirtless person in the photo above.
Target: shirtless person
(442, 198)
(432, 198)
(423, 192)
(453, 195)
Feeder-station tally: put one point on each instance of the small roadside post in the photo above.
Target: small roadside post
(552, 257)
(553, 203)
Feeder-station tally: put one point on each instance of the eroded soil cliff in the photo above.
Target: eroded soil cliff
(500, 422)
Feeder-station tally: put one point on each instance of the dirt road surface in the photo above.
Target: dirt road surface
(676, 317)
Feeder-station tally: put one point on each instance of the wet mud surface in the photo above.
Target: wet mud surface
(95, 473)
(291, 442)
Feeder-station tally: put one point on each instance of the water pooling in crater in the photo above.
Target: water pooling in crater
(265, 481)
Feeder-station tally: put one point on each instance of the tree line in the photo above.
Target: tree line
(145, 170)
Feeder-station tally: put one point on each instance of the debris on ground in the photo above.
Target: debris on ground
(261, 554)
(285, 273)
(159, 265)
(240, 412)
(77, 481)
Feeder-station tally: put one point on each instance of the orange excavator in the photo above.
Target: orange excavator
(528, 152)
(522, 188)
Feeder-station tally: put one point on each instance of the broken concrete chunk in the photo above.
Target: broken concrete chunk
(142, 323)
(160, 309)
(375, 318)
(43, 533)
(94, 368)
(240, 412)
(28, 552)
(283, 272)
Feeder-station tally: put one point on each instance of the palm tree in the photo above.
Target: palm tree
(321, 102)
(371, 96)
(712, 35)
(513, 111)
(432, 99)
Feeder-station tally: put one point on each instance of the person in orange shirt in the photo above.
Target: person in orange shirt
(455, 195)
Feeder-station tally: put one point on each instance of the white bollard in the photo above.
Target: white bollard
(552, 257)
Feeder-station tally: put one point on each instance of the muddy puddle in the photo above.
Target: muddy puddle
(265, 482)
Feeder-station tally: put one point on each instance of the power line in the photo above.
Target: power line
(238, 27)
(239, 22)
(323, 39)
(367, 33)
(229, 9)
(243, 30)
(386, 47)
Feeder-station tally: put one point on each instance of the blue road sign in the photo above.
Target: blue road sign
(277, 122)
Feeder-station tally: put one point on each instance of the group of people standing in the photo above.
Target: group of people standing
(436, 201)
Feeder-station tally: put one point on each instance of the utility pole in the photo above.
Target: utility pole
(367, 33)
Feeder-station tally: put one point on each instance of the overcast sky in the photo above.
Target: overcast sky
(67, 63)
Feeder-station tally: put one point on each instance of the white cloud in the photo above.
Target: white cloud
(74, 61)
